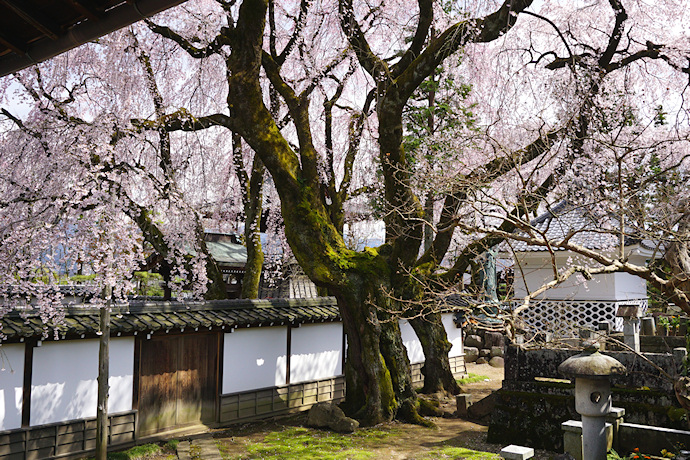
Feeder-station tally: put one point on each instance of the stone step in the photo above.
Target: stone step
(514, 452)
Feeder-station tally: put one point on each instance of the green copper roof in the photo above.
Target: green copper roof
(228, 254)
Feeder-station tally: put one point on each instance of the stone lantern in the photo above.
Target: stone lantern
(592, 371)
(631, 325)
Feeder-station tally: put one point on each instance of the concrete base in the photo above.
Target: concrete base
(652, 438)
(572, 437)
(513, 452)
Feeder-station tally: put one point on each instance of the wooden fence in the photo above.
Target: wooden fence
(254, 404)
(71, 439)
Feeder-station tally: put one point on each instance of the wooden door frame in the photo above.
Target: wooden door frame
(217, 367)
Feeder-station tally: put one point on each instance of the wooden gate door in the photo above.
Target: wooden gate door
(177, 381)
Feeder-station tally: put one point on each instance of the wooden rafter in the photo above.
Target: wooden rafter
(33, 17)
(87, 7)
(33, 31)
(13, 45)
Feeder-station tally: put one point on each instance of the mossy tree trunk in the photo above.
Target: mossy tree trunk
(251, 186)
(405, 214)
(315, 242)
(438, 376)
(365, 283)
(678, 257)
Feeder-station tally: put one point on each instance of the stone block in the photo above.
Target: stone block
(497, 351)
(679, 356)
(483, 407)
(615, 418)
(494, 339)
(481, 361)
(471, 354)
(615, 413)
(513, 452)
(647, 327)
(485, 353)
(572, 437)
(474, 341)
(496, 361)
(183, 448)
(326, 414)
(463, 402)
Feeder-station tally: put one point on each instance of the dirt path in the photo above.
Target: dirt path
(406, 442)
(410, 441)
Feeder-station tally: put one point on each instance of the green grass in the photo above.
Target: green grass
(136, 452)
(301, 443)
(472, 378)
(143, 451)
(458, 452)
(172, 445)
(297, 443)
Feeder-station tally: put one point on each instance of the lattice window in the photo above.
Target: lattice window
(564, 318)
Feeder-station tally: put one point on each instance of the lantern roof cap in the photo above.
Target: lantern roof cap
(591, 364)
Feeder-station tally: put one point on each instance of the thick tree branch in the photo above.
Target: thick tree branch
(182, 120)
(299, 111)
(376, 67)
(481, 30)
(426, 17)
(221, 39)
(490, 172)
(616, 34)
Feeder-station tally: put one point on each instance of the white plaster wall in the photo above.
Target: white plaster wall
(630, 287)
(316, 352)
(414, 347)
(454, 335)
(612, 287)
(600, 287)
(538, 271)
(64, 379)
(254, 358)
(11, 385)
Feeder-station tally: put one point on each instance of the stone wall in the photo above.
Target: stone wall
(484, 346)
(530, 412)
(526, 364)
(531, 415)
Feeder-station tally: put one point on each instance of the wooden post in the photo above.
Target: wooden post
(103, 374)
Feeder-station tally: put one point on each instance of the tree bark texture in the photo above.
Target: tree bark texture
(438, 376)
(103, 375)
(365, 283)
(678, 257)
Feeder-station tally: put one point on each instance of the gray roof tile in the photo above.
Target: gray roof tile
(164, 316)
(564, 219)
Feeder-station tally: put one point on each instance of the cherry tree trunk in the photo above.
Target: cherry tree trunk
(103, 375)
(377, 370)
(438, 376)
(252, 270)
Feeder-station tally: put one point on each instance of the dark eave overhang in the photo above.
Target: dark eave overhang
(51, 39)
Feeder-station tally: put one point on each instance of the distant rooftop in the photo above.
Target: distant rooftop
(588, 231)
